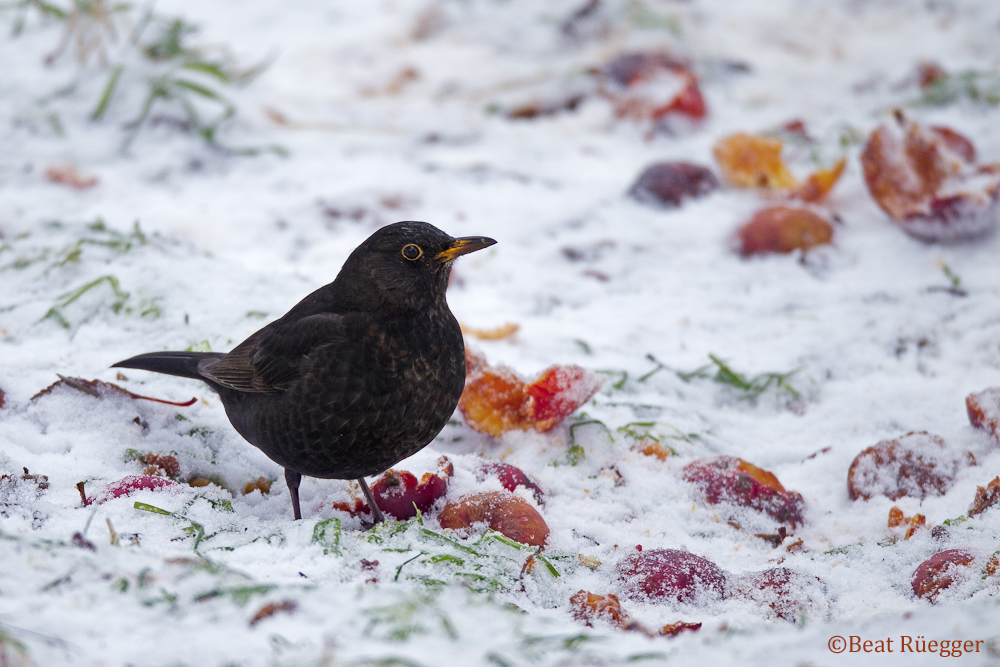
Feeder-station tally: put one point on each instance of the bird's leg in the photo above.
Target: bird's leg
(377, 516)
(292, 479)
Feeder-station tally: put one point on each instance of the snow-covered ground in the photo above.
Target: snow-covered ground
(372, 112)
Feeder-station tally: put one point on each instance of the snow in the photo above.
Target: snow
(188, 245)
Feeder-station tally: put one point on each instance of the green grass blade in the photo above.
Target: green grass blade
(327, 534)
(109, 90)
(150, 508)
(210, 69)
(448, 540)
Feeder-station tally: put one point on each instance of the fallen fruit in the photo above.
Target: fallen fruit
(653, 86)
(733, 480)
(941, 571)
(655, 449)
(261, 484)
(783, 229)
(986, 497)
(669, 574)
(17, 489)
(129, 485)
(162, 465)
(162, 462)
(675, 629)
(752, 161)
(558, 392)
(631, 68)
(927, 181)
(984, 411)
(510, 477)
(667, 184)
(915, 465)
(588, 607)
(496, 400)
(912, 523)
(502, 511)
(787, 593)
(818, 185)
(399, 494)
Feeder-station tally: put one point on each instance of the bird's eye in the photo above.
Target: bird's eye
(412, 252)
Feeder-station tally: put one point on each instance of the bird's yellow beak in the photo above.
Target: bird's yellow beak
(463, 246)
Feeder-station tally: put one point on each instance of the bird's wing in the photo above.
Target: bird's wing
(271, 359)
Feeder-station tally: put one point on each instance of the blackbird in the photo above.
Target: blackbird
(359, 375)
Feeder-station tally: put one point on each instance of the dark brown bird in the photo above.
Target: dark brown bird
(359, 375)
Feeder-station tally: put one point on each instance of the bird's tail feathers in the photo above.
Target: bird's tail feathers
(181, 364)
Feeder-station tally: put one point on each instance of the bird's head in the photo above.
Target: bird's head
(404, 264)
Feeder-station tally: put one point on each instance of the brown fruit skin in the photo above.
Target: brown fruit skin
(986, 497)
(939, 572)
(785, 591)
(669, 574)
(916, 474)
(901, 175)
(731, 479)
(783, 229)
(928, 183)
(668, 184)
(261, 484)
(501, 511)
(984, 411)
(588, 607)
(653, 449)
(168, 464)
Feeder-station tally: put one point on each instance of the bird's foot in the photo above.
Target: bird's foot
(377, 516)
(293, 479)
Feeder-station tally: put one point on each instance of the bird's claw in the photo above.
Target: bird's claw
(369, 525)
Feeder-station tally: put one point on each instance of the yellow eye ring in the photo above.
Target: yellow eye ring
(412, 252)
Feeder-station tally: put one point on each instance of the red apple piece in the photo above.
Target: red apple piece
(733, 480)
(941, 571)
(670, 574)
(916, 465)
